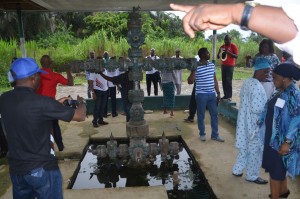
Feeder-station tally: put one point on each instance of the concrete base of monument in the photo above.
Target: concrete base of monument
(214, 158)
(137, 131)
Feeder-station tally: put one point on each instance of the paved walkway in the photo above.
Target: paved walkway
(215, 159)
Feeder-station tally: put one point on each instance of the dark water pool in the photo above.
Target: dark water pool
(95, 173)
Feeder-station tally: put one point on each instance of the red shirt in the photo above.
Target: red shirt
(230, 61)
(49, 82)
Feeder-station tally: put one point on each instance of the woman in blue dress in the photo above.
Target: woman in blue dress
(281, 154)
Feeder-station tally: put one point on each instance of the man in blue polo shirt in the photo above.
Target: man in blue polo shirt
(27, 118)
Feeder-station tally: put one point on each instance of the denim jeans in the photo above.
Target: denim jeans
(40, 184)
(208, 100)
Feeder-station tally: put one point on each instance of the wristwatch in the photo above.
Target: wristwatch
(249, 6)
(288, 141)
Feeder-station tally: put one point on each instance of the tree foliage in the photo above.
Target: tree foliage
(111, 22)
(34, 23)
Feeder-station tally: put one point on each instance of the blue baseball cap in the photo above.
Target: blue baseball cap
(25, 67)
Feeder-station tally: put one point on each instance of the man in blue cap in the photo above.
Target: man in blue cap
(27, 119)
(248, 137)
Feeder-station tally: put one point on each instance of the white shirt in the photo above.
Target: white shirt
(99, 82)
(111, 74)
(153, 69)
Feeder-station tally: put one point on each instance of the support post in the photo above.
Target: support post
(214, 43)
(21, 32)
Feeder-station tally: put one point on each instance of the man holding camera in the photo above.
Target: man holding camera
(48, 84)
(27, 118)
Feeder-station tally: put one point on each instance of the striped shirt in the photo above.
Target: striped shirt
(204, 78)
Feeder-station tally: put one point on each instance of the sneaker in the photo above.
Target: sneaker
(102, 122)
(188, 120)
(202, 138)
(95, 125)
(218, 139)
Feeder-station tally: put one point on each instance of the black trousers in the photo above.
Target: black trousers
(227, 74)
(155, 78)
(112, 93)
(192, 104)
(57, 135)
(100, 103)
(3, 142)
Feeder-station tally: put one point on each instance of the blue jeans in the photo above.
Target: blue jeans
(40, 184)
(208, 100)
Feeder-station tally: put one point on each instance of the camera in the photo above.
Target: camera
(71, 103)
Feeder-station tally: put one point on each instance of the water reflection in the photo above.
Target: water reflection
(178, 173)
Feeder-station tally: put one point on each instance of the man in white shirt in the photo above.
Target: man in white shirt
(99, 89)
(152, 75)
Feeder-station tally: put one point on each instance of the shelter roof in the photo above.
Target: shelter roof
(96, 5)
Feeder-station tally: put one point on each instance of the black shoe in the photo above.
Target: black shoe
(259, 180)
(114, 115)
(237, 175)
(188, 120)
(61, 147)
(284, 195)
(102, 123)
(95, 125)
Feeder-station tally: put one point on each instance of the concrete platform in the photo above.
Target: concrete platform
(215, 159)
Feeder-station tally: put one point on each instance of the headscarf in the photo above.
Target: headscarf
(287, 70)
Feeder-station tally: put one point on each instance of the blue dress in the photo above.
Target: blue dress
(286, 124)
(272, 162)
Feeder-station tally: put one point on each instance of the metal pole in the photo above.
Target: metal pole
(214, 43)
(21, 32)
